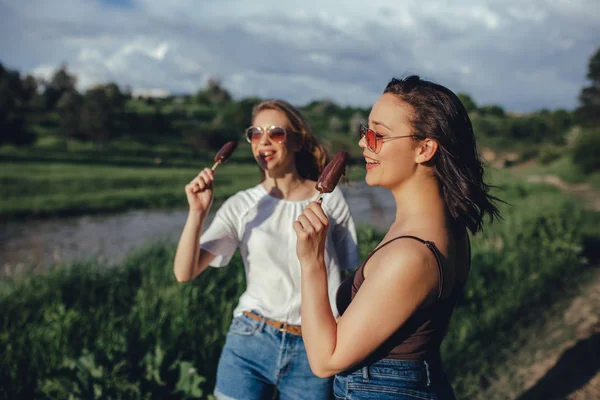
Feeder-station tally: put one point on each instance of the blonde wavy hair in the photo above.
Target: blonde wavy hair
(312, 157)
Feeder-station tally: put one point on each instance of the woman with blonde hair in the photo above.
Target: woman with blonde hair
(264, 347)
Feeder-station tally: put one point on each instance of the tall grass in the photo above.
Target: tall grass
(130, 331)
(123, 332)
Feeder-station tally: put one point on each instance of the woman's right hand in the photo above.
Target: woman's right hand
(199, 191)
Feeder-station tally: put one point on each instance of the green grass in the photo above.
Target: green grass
(130, 331)
(567, 171)
(73, 178)
(57, 188)
(61, 189)
(519, 266)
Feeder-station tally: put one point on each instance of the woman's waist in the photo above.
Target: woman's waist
(275, 308)
(396, 367)
(415, 369)
(401, 358)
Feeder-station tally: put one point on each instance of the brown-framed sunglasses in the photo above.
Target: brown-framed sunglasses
(275, 133)
(375, 140)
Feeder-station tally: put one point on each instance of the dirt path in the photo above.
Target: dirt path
(561, 360)
(583, 190)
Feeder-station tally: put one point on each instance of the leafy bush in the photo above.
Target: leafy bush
(518, 267)
(131, 331)
(586, 151)
(550, 153)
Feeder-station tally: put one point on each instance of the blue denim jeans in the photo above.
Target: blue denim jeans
(394, 379)
(257, 358)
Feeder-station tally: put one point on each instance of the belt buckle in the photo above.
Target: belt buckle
(283, 327)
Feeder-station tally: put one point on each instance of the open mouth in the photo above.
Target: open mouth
(371, 163)
(266, 155)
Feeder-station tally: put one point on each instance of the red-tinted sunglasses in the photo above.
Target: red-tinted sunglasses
(375, 140)
(277, 134)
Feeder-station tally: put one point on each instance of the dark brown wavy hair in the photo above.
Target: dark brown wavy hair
(312, 157)
(438, 114)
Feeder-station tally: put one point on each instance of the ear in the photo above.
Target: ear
(426, 150)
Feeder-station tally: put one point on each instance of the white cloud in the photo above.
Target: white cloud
(510, 53)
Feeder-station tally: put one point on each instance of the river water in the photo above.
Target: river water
(39, 243)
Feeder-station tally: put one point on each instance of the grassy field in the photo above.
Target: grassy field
(564, 168)
(47, 181)
(130, 331)
(88, 330)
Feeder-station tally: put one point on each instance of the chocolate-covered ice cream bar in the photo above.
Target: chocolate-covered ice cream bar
(332, 173)
(224, 154)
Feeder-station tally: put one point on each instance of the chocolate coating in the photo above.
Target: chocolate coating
(225, 152)
(333, 172)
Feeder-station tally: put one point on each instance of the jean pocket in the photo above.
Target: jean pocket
(386, 387)
(242, 326)
(340, 387)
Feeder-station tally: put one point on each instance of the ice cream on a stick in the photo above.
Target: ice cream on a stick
(332, 173)
(223, 155)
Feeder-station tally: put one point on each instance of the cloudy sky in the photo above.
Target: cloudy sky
(523, 55)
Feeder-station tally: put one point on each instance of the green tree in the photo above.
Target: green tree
(29, 86)
(467, 102)
(324, 107)
(354, 124)
(562, 120)
(215, 93)
(115, 96)
(235, 115)
(69, 111)
(494, 110)
(14, 96)
(102, 114)
(586, 150)
(335, 124)
(60, 83)
(589, 98)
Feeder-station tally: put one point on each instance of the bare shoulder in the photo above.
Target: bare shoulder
(404, 258)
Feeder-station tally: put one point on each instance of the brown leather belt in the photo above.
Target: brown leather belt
(281, 326)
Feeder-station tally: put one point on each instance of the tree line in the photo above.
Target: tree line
(30, 107)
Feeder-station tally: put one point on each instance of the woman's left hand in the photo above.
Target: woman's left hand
(311, 231)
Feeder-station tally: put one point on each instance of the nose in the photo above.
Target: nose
(264, 137)
(362, 142)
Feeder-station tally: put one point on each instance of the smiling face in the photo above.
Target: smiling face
(397, 160)
(274, 158)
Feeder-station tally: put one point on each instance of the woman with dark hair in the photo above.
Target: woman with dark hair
(264, 347)
(396, 307)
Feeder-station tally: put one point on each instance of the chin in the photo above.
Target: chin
(374, 182)
(370, 180)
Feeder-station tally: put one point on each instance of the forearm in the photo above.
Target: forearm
(319, 328)
(186, 266)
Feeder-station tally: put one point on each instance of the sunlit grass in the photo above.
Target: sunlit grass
(59, 188)
(131, 331)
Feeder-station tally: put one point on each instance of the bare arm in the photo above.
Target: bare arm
(402, 277)
(396, 287)
(190, 259)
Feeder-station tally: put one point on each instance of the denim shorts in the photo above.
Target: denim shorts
(394, 379)
(257, 358)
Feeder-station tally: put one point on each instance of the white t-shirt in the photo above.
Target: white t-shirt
(262, 227)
